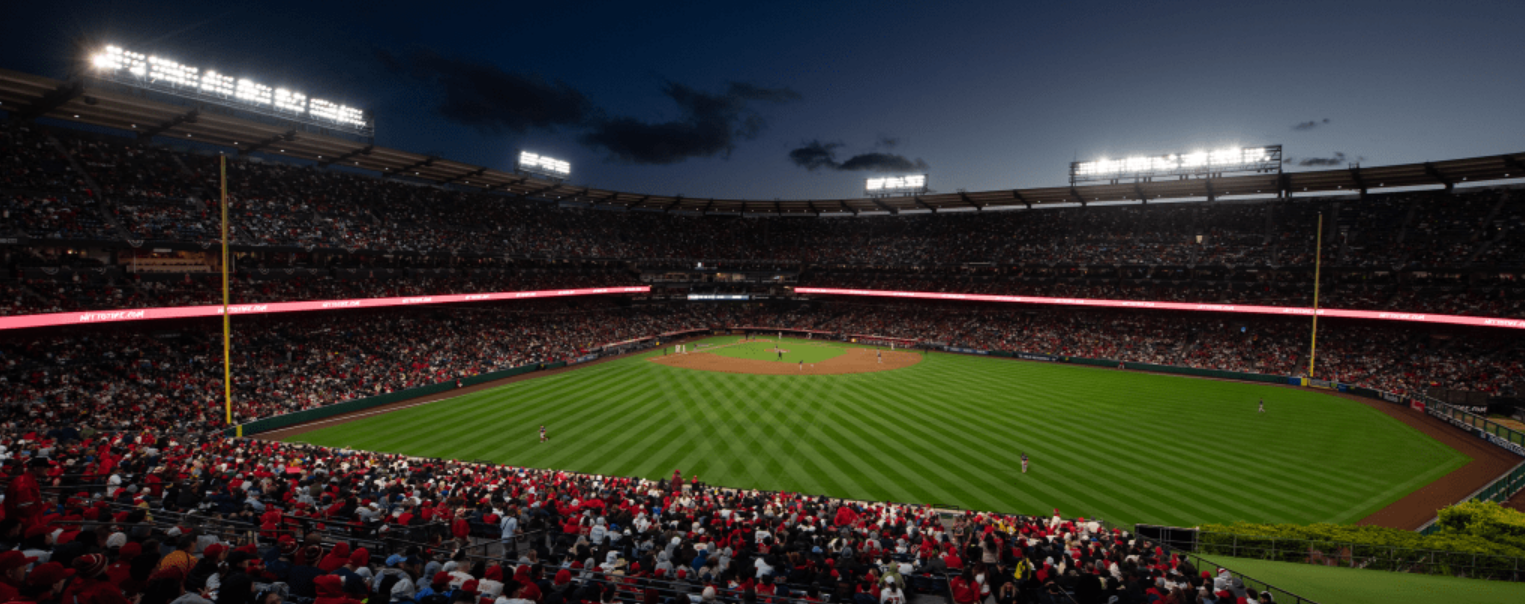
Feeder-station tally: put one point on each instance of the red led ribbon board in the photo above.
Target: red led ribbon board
(1230, 308)
(86, 317)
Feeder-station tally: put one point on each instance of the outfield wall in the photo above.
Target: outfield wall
(360, 404)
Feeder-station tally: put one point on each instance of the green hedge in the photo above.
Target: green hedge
(1484, 520)
(1370, 547)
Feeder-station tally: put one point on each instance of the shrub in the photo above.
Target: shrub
(1486, 520)
(1448, 552)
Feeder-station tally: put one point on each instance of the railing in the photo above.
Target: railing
(1499, 435)
(1184, 541)
(1342, 554)
(1281, 596)
(1503, 487)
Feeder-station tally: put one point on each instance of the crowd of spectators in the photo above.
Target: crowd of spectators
(161, 195)
(48, 295)
(30, 162)
(155, 517)
(287, 364)
(1487, 300)
(83, 289)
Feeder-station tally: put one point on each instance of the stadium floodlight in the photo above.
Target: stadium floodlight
(885, 186)
(164, 75)
(550, 167)
(1198, 164)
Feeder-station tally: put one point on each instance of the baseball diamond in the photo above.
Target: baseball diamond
(946, 430)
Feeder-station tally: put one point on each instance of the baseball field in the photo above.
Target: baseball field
(844, 420)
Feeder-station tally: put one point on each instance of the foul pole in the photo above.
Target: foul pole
(227, 361)
(1318, 256)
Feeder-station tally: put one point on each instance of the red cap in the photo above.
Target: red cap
(48, 574)
(12, 559)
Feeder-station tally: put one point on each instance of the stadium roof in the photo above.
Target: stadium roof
(101, 105)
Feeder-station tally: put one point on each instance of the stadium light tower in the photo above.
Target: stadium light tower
(890, 186)
(1196, 164)
(546, 167)
(170, 78)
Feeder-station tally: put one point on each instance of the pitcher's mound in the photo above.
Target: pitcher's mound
(855, 360)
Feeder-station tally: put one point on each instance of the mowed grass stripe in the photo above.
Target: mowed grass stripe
(446, 418)
(658, 458)
(604, 432)
(835, 461)
(883, 451)
(998, 458)
(1264, 496)
(952, 467)
(1125, 446)
(928, 479)
(983, 456)
(741, 457)
(480, 420)
(1295, 489)
(469, 408)
(1249, 496)
(1144, 421)
(763, 425)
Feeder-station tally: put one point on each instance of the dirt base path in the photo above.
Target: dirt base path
(855, 360)
(1418, 507)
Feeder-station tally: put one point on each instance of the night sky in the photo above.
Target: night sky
(803, 100)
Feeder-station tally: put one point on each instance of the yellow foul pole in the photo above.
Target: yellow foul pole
(227, 361)
(1318, 256)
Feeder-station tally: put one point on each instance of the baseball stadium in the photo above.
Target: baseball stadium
(249, 352)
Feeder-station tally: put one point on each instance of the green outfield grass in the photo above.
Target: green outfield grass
(1128, 447)
(795, 351)
(1355, 586)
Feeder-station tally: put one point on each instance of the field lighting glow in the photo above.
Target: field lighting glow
(1381, 315)
(540, 164)
(166, 75)
(1195, 163)
(896, 184)
(215, 310)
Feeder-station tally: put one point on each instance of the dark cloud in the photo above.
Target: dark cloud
(1337, 160)
(881, 162)
(489, 99)
(816, 155)
(495, 101)
(1309, 125)
(708, 125)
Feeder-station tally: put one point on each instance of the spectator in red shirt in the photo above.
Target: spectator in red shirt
(23, 498)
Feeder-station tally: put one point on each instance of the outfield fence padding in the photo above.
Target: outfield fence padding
(360, 404)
